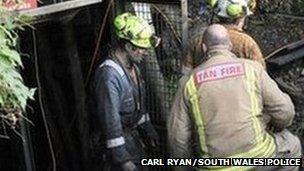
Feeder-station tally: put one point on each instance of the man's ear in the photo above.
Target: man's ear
(230, 45)
(203, 47)
(128, 47)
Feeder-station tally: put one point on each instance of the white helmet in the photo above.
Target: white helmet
(234, 8)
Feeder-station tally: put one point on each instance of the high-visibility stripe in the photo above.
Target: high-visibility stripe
(197, 115)
(250, 81)
(264, 142)
(258, 149)
(114, 65)
(256, 152)
(115, 142)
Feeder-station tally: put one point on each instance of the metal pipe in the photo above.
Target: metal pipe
(285, 59)
(27, 150)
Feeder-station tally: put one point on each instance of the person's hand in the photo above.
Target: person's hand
(153, 138)
(149, 135)
(128, 166)
(271, 128)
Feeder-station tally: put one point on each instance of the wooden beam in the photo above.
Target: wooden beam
(57, 11)
(59, 7)
(184, 7)
(157, 1)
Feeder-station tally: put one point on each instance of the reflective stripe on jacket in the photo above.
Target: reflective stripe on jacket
(222, 103)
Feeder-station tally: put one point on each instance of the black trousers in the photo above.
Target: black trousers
(134, 146)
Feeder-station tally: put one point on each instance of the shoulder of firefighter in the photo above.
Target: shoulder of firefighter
(225, 100)
(117, 109)
(244, 46)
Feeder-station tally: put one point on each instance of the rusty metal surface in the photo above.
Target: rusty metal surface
(285, 49)
(286, 66)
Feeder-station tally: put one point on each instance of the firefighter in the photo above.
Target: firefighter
(232, 14)
(119, 96)
(222, 104)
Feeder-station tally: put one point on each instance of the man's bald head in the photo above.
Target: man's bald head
(216, 36)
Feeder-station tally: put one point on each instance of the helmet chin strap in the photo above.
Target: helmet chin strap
(134, 59)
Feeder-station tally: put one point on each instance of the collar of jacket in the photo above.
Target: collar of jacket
(219, 52)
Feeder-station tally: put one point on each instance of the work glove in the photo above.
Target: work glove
(149, 135)
(274, 128)
(129, 166)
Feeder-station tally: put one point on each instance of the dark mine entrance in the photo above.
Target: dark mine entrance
(56, 59)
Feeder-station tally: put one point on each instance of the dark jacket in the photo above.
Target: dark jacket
(120, 107)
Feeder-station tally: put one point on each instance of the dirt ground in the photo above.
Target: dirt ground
(275, 24)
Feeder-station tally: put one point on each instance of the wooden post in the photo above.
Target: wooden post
(184, 7)
(27, 147)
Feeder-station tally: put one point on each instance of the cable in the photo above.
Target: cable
(41, 103)
(169, 23)
(98, 43)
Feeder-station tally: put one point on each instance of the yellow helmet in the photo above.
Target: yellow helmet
(136, 30)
